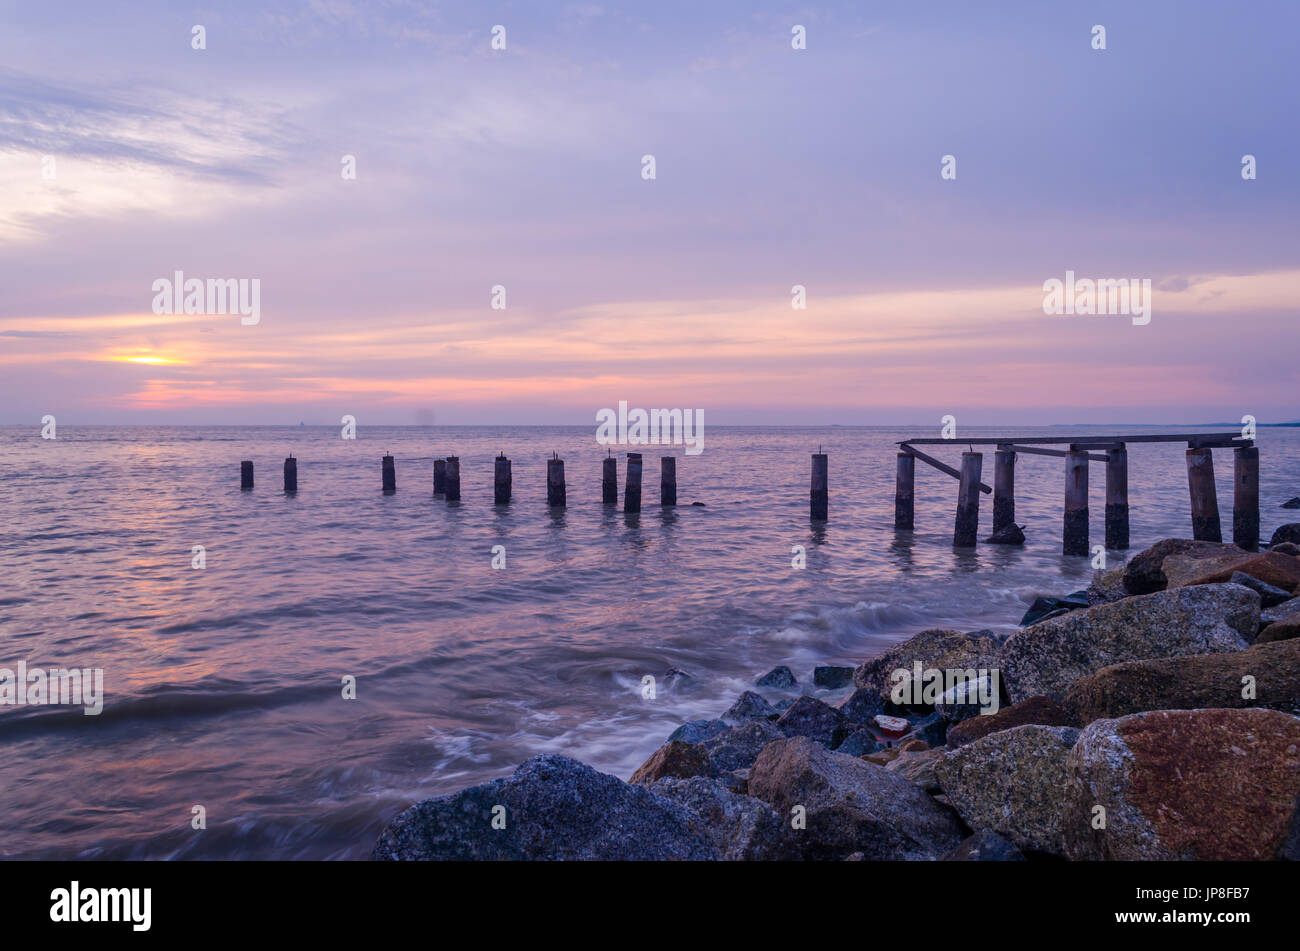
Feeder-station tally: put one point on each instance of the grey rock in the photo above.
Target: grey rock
(832, 678)
(1012, 782)
(778, 677)
(860, 743)
(697, 731)
(1047, 657)
(741, 828)
(851, 805)
(1292, 503)
(1269, 595)
(750, 706)
(1007, 535)
(862, 705)
(738, 747)
(1045, 607)
(940, 649)
(555, 809)
(812, 718)
(1290, 532)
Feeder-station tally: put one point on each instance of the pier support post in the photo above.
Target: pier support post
(1205, 501)
(1117, 498)
(1245, 497)
(1004, 488)
(967, 523)
(555, 494)
(819, 492)
(291, 474)
(390, 476)
(501, 481)
(439, 476)
(1074, 536)
(632, 490)
(668, 480)
(609, 481)
(904, 492)
(246, 474)
(453, 478)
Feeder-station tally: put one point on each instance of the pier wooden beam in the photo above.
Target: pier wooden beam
(1245, 497)
(1004, 488)
(246, 474)
(632, 488)
(1060, 453)
(609, 481)
(942, 467)
(668, 481)
(1205, 501)
(904, 493)
(439, 476)
(390, 476)
(1117, 499)
(818, 493)
(501, 481)
(1074, 539)
(555, 494)
(966, 525)
(291, 475)
(453, 479)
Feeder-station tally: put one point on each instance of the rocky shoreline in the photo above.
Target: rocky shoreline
(1154, 716)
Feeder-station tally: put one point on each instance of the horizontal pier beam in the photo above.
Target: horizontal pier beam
(1094, 456)
(942, 467)
(1091, 442)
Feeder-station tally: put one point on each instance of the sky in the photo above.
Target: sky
(523, 168)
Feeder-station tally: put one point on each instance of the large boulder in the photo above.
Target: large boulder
(918, 766)
(740, 827)
(862, 705)
(937, 649)
(1191, 682)
(1209, 785)
(738, 747)
(1049, 656)
(1144, 574)
(553, 808)
(850, 805)
(779, 678)
(1197, 567)
(1040, 710)
(1272, 568)
(1107, 586)
(750, 706)
(1011, 782)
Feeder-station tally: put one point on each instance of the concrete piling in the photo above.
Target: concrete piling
(555, 494)
(1205, 500)
(1117, 498)
(1074, 539)
(390, 475)
(246, 474)
(501, 481)
(1245, 497)
(904, 492)
(668, 480)
(632, 490)
(609, 481)
(453, 478)
(819, 490)
(1004, 488)
(291, 474)
(967, 523)
(439, 476)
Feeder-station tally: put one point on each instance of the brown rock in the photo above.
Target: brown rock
(882, 758)
(1192, 682)
(674, 759)
(1041, 710)
(1191, 566)
(914, 745)
(1208, 785)
(1286, 548)
(1281, 571)
(1143, 573)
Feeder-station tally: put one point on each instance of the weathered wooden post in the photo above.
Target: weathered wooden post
(501, 480)
(668, 480)
(1117, 498)
(453, 478)
(819, 491)
(632, 490)
(291, 474)
(439, 476)
(1205, 501)
(609, 481)
(1004, 488)
(246, 474)
(967, 523)
(1245, 497)
(555, 494)
(390, 476)
(1074, 537)
(904, 492)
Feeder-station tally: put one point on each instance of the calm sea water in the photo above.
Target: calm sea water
(223, 685)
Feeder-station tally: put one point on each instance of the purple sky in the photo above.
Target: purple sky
(522, 168)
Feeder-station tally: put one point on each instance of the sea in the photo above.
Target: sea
(283, 674)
